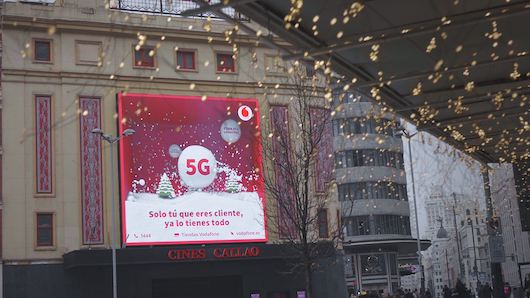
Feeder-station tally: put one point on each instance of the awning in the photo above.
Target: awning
(458, 69)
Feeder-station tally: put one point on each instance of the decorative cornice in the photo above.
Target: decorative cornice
(18, 22)
(119, 81)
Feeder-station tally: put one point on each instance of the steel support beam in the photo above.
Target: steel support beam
(496, 133)
(481, 116)
(482, 87)
(466, 100)
(449, 70)
(425, 27)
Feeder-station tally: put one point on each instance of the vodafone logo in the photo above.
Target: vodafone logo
(245, 113)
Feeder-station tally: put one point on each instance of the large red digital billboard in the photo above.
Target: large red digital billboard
(192, 171)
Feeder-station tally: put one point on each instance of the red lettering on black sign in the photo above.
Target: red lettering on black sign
(236, 252)
(218, 253)
(186, 254)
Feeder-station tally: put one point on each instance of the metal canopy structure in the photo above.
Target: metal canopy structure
(457, 69)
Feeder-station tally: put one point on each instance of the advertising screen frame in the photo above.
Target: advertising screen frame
(123, 189)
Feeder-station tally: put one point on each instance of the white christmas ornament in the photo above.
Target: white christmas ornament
(197, 166)
(230, 131)
(175, 151)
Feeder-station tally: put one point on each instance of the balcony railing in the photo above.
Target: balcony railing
(170, 7)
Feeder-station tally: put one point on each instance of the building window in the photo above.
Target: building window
(357, 225)
(43, 145)
(323, 223)
(349, 126)
(144, 57)
(279, 121)
(372, 191)
(340, 97)
(373, 264)
(186, 60)
(225, 63)
(320, 124)
(392, 224)
(43, 50)
(91, 168)
(44, 229)
(381, 224)
(369, 157)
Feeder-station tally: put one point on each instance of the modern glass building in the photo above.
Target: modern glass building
(372, 189)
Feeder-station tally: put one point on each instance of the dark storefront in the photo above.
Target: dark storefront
(213, 271)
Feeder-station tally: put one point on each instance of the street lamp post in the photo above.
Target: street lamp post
(461, 270)
(447, 267)
(409, 136)
(475, 267)
(111, 140)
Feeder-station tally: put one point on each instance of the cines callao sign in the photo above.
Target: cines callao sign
(216, 253)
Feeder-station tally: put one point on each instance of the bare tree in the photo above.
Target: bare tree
(299, 165)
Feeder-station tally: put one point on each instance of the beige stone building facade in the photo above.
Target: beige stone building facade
(58, 57)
